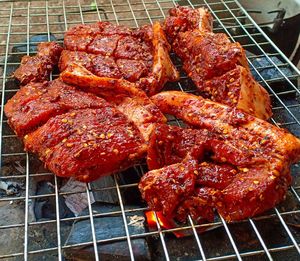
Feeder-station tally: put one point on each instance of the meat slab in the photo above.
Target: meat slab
(232, 162)
(140, 55)
(76, 134)
(87, 143)
(217, 66)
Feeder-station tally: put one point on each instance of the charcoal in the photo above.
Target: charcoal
(130, 195)
(11, 239)
(108, 227)
(45, 207)
(105, 195)
(270, 72)
(77, 199)
(10, 188)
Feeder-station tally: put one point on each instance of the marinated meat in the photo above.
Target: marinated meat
(218, 67)
(140, 56)
(79, 37)
(184, 19)
(170, 144)
(104, 44)
(104, 66)
(209, 178)
(237, 86)
(75, 133)
(87, 143)
(36, 103)
(230, 161)
(242, 163)
(132, 70)
(131, 101)
(129, 47)
(38, 68)
(81, 58)
(164, 188)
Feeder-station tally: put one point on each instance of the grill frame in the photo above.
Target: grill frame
(230, 7)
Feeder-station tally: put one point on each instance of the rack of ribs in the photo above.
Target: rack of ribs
(230, 161)
(217, 66)
(140, 56)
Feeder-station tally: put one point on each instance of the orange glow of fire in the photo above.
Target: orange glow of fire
(163, 222)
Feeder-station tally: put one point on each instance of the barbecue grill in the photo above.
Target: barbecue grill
(119, 229)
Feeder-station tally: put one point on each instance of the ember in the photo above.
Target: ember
(152, 218)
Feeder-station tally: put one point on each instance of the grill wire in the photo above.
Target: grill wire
(21, 20)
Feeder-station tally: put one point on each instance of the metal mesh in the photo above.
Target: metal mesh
(274, 235)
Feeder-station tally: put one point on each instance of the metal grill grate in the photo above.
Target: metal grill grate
(272, 236)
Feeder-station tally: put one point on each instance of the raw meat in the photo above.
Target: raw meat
(131, 101)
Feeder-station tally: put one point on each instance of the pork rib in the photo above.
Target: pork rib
(218, 67)
(140, 56)
(252, 154)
